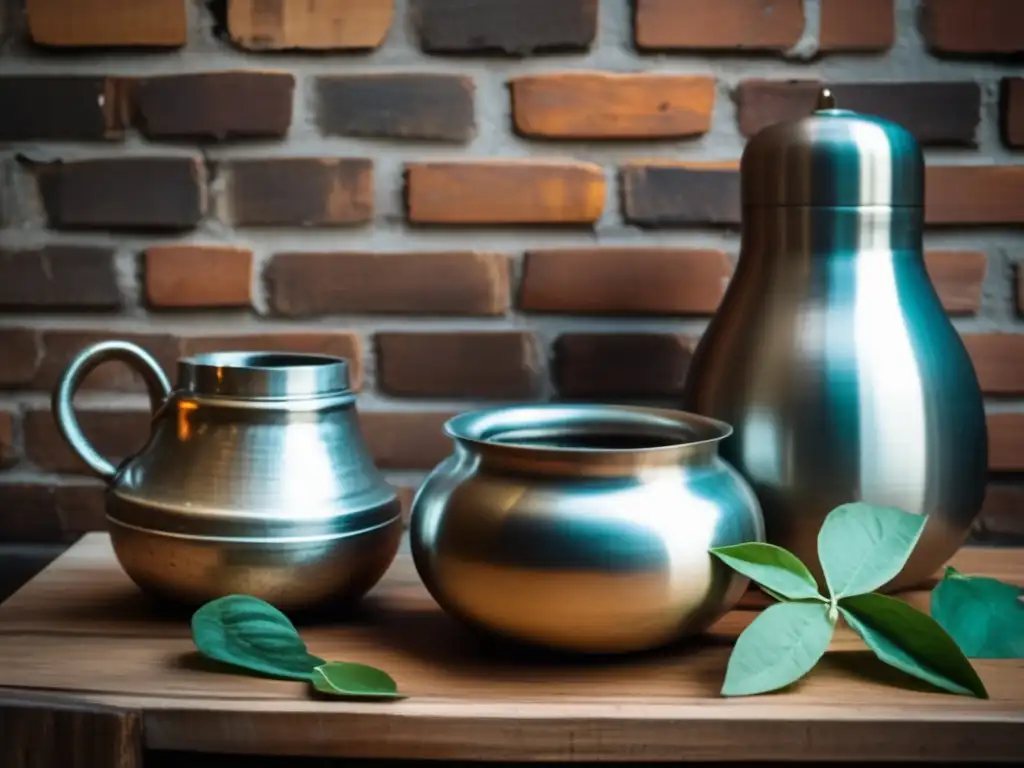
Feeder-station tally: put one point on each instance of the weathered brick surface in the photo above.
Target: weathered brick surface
(862, 25)
(438, 283)
(21, 351)
(61, 346)
(214, 105)
(1012, 107)
(494, 365)
(1002, 515)
(58, 277)
(1006, 442)
(406, 440)
(505, 192)
(609, 365)
(1020, 289)
(603, 105)
(8, 451)
(999, 361)
(974, 195)
(513, 27)
(123, 193)
(973, 27)
(738, 25)
(958, 277)
(198, 276)
(406, 106)
(643, 281)
(61, 108)
(116, 23)
(273, 25)
(36, 512)
(659, 194)
(300, 191)
(115, 434)
(936, 112)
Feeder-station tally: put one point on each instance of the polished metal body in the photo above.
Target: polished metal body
(255, 480)
(831, 354)
(583, 528)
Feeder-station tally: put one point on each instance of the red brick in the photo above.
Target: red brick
(1012, 108)
(937, 113)
(603, 365)
(862, 25)
(198, 276)
(49, 107)
(115, 434)
(487, 365)
(1002, 515)
(974, 194)
(442, 283)
(58, 277)
(21, 352)
(603, 105)
(61, 346)
(300, 191)
(403, 106)
(973, 27)
(336, 343)
(998, 361)
(644, 281)
(265, 25)
(508, 27)
(660, 194)
(8, 451)
(1006, 442)
(751, 25)
(130, 193)
(505, 192)
(113, 23)
(215, 105)
(406, 440)
(958, 277)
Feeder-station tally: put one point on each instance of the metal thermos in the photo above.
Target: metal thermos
(831, 354)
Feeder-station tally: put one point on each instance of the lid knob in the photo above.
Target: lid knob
(826, 99)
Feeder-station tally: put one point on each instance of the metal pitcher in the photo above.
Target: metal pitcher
(831, 354)
(255, 480)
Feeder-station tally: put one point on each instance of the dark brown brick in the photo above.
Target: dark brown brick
(61, 346)
(406, 493)
(998, 361)
(131, 193)
(1020, 288)
(604, 105)
(673, 194)
(108, 23)
(974, 27)
(487, 365)
(58, 277)
(1002, 515)
(709, 25)
(300, 191)
(198, 276)
(405, 106)
(600, 365)
(115, 434)
(21, 352)
(81, 508)
(958, 277)
(8, 451)
(640, 281)
(336, 343)
(1006, 442)
(37, 512)
(1012, 111)
(442, 283)
(404, 440)
(512, 27)
(937, 113)
(276, 25)
(974, 194)
(505, 192)
(863, 25)
(49, 107)
(214, 105)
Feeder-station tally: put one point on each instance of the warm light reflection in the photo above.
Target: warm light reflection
(185, 410)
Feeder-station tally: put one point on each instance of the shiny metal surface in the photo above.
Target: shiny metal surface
(255, 480)
(831, 354)
(583, 528)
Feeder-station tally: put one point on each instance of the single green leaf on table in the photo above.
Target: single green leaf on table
(863, 547)
(247, 632)
(779, 647)
(339, 678)
(911, 641)
(778, 570)
(985, 616)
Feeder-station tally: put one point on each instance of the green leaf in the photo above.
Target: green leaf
(779, 647)
(247, 632)
(340, 678)
(985, 616)
(911, 641)
(774, 568)
(863, 547)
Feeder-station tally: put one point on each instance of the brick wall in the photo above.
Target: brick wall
(474, 200)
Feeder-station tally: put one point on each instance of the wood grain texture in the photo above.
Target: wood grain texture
(476, 699)
(262, 25)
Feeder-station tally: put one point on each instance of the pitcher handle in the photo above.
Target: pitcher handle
(89, 358)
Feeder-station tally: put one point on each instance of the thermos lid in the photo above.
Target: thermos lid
(833, 157)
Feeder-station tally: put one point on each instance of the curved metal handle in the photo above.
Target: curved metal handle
(89, 358)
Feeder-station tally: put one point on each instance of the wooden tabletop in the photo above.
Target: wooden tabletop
(79, 638)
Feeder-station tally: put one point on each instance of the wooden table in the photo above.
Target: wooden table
(92, 675)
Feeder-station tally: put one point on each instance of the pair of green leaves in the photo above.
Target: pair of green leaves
(861, 548)
(249, 633)
(985, 616)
